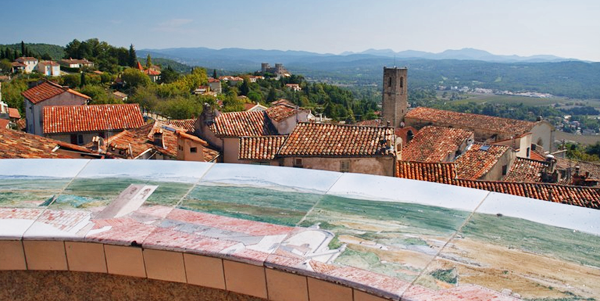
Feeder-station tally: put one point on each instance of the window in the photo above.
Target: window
(389, 82)
(528, 152)
(504, 169)
(80, 139)
(401, 82)
(298, 162)
(345, 166)
(193, 149)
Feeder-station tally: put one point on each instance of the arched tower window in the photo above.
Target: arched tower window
(389, 82)
(401, 82)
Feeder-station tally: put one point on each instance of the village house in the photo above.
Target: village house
(223, 130)
(436, 144)
(523, 136)
(249, 107)
(153, 72)
(48, 93)
(294, 87)
(286, 115)
(29, 63)
(345, 148)
(215, 85)
(48, 68)
(485, 162)
(261, 150)
(232, 80)
(79, 124)
(76, 63)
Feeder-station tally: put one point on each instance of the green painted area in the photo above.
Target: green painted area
(25, 193)
(535, 238)
(371, 262)
(264, 205)
(83, 193)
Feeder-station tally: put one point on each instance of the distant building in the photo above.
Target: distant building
(293, 87)
(48, 68)
(215, 85)
(278, 70)
(29, 63)
(76, 63)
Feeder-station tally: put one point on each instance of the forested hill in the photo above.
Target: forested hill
(54, 51)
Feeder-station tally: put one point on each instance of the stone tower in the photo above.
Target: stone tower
(395, 95)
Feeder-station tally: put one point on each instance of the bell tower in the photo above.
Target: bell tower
(395, 95)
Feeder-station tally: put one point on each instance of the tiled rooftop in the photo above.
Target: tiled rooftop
(470, 121)
(260, 147)
(238, 124)
(47, 90)
(73, 119)
(444, 173)
(187, 124)
(141, 140)
(15, 144)
(526, 170)
(423, 171)
(330, 140)
(479, 160)
(435, 144)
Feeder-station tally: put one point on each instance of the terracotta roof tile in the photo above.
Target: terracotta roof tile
(372, 122)
(15, 144)
(588, 197)
(424, 171)
(283, 109)
(261, 147)
(479, 160)
(435, 144)
(141, 139)
(572, 195)
(73, 119)
(14, 113)
(47, 90)
(4, 123)
(526, 170)
(470, 121)
(330, 140)
(187, 124)
(238, 124)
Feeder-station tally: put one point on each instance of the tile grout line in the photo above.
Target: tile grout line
(181, 201)
(54, 199)
(446, 244)
(318, 202)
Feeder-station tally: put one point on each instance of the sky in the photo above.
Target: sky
(569, 29)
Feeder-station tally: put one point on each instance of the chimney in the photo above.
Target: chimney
(158, 139)
(551, 163)
(98, 144)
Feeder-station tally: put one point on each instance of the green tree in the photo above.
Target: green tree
(215, 74)
(82, 81)
(148, 61)
(71, 80)
(272, 96)
(134, 78)
(168, 75)
(23, 50)
(245, 88)
(132, 57)
(5, 66)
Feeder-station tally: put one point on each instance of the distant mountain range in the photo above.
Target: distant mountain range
(238, 58)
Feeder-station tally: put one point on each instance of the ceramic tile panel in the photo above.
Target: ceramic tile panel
(379, 245)
(275, 177)
(245, 279)
(14, 222)
(126, 261)
(285, 286)
(156, 170)
(85, 257)
(253, 203)
(35, 182)
(517, 254)
(45, 255)
(554, 214)
(319, 290)
(60, 225)
(204, 271)
(407, 191)
(12, 256)
(164, 265)
(215, 235)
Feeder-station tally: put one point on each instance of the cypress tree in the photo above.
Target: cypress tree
(132, 57)
(23, 48)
